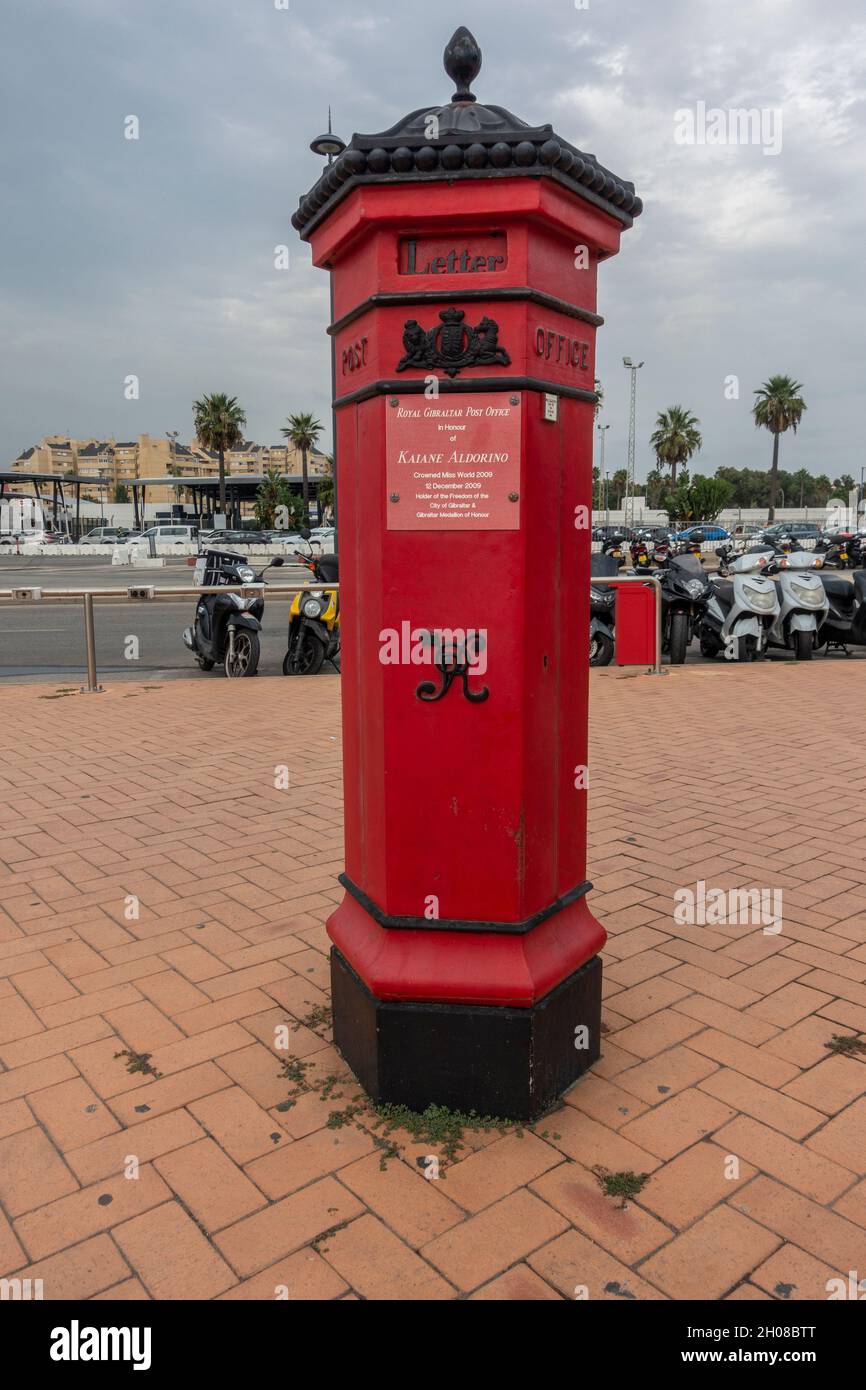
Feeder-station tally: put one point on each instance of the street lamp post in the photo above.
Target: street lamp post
(330, 146)
(602, 429)
(634, 368)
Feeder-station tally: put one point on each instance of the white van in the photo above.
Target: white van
(172, 535)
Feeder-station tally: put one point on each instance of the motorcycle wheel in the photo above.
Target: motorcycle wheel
(600, 650)
(306, 658)
(708, 649)
(246, 654)
(679, 638)
(204, 663)
(747, 649)
(803, 646)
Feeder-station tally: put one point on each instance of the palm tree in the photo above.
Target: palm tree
(778, 407)
(303, 432)
(219, 422)
(675, 438)
(599, 391)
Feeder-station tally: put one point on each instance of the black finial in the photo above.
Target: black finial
(462, 62)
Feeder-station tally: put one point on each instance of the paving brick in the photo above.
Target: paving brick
(843, 1138)
(517, 1285)
(209, 1184)
(17, 1019)
(581, 1270)
(80, 1272)
(379, 1266)
(43, 987)
(238, 1124)
(130, 1291)
(793, 1275)
(292, 1166)
(169, 1093)
(72, 1113)
(142, 1026)
(824, 1234)
(71, 1219)
(235, 1006)
(656, 1033)
(31, 1172)
(694, 1182)
(584, 1139)
(478, 1249)
(170, 992)
(207, 1046)
(257, 1069)
(628, 1234)
(146, 1141)
(15, 1115)
(831, 1085)
(417, 1208)
(53, 1041)
(12, 1253)
(804, 1043)
(259, 1240)
(89, 1005)
(710, 1257)
(603, 1101)
(303, 1277)
(675, 1070)
(763, 1103)
(171, 1256)
(751, 1061)
(677, 1123)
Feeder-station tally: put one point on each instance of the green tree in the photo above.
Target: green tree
(219, 422)
(121, 492)
(675, 438)
(599, 391)
(618, 485)
(303, 432)
(778, 407)
(655, 486)
(273, 492)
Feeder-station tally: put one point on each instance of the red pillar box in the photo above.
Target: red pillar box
(635, 624)
(463, 246)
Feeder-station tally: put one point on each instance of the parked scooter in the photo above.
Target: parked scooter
(803, 602)
(641, 558)
(685, 592)
(661, 550)
(740, 611)
(837, 549)
(845, 623)
(227, 626)
(314, 618)
(602, 607)
(614, 546)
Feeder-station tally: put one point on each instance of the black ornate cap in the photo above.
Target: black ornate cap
(465, 140)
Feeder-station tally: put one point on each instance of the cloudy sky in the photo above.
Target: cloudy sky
(155, 257)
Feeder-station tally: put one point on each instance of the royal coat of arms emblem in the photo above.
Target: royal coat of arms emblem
(452, 344)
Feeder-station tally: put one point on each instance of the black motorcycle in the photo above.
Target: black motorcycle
(314, 618)
(602, 608)
(615, 547)
(845, 624)
(685, 590)
(837, 550)
(227, 626)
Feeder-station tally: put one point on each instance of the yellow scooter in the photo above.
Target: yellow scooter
(314, 620)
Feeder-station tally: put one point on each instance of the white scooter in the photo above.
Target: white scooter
(740, 611)
(803, 602)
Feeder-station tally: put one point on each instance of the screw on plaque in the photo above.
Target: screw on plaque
(394, 401)
(395, 497)
(514, 400)
(513, 496)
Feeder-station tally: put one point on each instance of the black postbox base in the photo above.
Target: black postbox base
(511, 1063)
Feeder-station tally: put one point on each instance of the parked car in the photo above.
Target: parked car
(798, 530)
(108, 535)
(172, 535)
(709, 533)
(746, 530)
(240, 537)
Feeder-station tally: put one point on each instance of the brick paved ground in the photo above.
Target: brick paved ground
(716, 1078)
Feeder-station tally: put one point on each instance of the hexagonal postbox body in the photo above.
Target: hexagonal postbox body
(465, 965)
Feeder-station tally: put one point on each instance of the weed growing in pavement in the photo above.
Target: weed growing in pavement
(846, 1046)
(139, 1061)
(625, 1184)
(319, 1017)
(435, 1126)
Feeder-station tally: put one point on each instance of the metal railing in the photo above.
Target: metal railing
(144, 593)
(650, 581)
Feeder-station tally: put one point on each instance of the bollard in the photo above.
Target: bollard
(93, 687)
